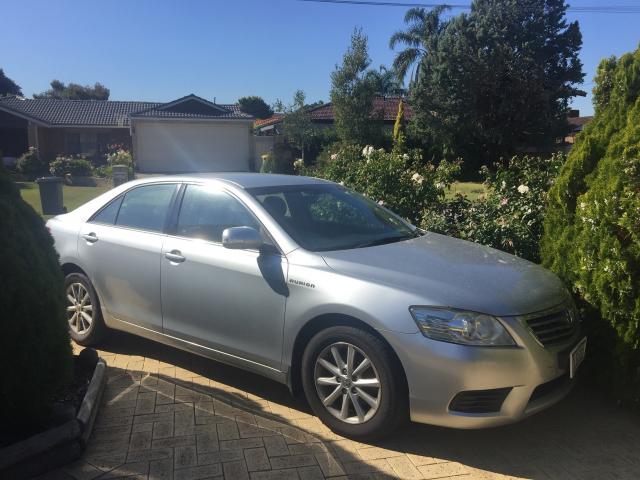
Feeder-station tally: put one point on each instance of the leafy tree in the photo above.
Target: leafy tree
(74, 91)
(298, 127)
(497, 79)
(592, 227)
(8, 86)
(256, 106)
(352, 94)
(386, 81)
(423, 30)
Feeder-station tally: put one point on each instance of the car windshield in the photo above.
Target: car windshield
(330, 217)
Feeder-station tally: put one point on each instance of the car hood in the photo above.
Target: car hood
(450, 272)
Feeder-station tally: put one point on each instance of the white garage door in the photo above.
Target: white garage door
(176, 147)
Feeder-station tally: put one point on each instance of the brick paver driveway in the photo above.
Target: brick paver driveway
(169, 414)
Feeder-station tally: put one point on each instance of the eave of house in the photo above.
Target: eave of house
(24, 116)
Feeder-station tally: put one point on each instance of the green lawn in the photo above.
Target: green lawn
(72, 197)
(471, 190)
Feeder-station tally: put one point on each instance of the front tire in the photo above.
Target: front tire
(353, 383)
(86, 325)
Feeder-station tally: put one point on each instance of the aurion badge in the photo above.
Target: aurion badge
(301, 283)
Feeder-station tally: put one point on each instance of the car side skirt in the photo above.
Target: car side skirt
(195, 348)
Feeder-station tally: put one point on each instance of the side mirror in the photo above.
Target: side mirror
(241, 238)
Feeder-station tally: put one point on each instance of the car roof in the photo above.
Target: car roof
(244, 180)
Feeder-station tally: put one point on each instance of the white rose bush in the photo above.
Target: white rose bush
(401, 181)
(510, 216)
(298, 165)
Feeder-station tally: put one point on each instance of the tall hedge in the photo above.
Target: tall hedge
(592, 227)
(35, 351)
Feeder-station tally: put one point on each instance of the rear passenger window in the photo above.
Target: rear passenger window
(206, 212)
(108, 214)
(146, 208)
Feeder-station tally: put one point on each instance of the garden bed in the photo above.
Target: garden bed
(63, 438)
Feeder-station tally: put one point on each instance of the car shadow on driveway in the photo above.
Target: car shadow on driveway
(583, 437)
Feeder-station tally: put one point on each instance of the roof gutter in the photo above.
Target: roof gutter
(192, 120)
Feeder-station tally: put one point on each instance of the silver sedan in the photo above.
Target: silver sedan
(313, 285)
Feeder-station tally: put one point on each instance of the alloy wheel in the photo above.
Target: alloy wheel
(79, 308)
(347, 383)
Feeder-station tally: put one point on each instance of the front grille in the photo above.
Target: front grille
(549, 388)
(554, 328)
(479, 401)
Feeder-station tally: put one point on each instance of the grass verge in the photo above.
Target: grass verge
(72, 197)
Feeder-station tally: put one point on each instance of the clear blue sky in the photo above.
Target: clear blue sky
(161, 50)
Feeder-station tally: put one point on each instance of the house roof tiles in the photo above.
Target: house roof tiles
(387, 106)
(110, 113)
(263, 122)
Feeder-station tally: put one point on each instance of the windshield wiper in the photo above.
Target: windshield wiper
(383, 241)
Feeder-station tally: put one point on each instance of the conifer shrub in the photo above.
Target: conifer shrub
(592, 226)
(35, 351)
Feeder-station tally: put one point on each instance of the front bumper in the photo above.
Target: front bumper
(436, 372)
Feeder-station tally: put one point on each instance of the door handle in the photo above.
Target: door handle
(90, 237)
(174, 256)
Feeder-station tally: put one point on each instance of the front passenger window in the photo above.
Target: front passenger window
(206, 212)
(146, 207)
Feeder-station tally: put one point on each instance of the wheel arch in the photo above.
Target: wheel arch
(322, 322)
(70, 267)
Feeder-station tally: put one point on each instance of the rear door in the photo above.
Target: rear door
(120, 248)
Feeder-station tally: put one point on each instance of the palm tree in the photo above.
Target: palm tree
(386, 81)
(422, 32)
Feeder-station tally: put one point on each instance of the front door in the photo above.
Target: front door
(120, 248)
(231, 301)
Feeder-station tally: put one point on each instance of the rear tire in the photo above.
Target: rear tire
(353, 383)
(86, 325)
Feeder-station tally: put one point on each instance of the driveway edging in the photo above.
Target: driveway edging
(59, 445)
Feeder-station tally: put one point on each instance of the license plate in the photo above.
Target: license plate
(576, 356)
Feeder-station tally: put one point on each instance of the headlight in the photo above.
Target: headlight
(459, 326)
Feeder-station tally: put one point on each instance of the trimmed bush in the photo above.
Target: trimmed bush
(104, 171)
(592, 228)
(30, 165)
(35, 351)
(74, 166)
(510, 216)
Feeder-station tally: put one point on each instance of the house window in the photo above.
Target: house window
(88, 144)
(104, 140)
(73, 143)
